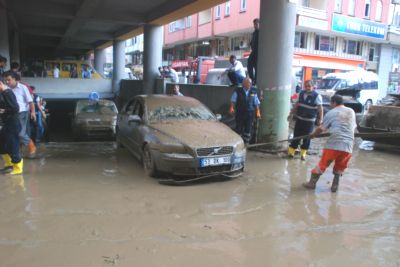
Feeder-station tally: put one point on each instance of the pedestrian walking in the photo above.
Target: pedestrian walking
(340, 122)
(307, 111)
(74, 72)
(40, 116)
(252, 60)
(26, 108)
(174, 75)
(236, 72)
(246, 106)
(9, 133)
(56, 72)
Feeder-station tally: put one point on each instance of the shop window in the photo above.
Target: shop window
(227, 8)
(352, 7)
(352, 47)
(300, 39)
(367, 8)
(379, 6)
(338, 6)
(371, 54)
(324, 43)
(217, 12)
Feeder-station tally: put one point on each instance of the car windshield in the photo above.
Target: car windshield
(179, 112)
(327, 83)
(97, 107)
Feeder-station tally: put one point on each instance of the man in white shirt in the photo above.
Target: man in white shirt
(56, 72)
(236, 72)
(174, 75)
(26, 108)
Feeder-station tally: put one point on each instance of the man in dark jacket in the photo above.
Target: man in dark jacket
(9, 133)
(252, 60)
(307, 111)
(246, 106)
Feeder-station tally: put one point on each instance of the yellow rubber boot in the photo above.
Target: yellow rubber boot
(18, 168)
(303, 154)
(291, 152)
(8, 166)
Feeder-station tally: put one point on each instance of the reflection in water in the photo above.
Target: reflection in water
(15, 183)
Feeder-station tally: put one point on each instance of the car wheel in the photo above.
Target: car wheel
(149, 165)
(367, 105)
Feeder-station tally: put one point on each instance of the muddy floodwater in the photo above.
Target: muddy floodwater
(90, 204)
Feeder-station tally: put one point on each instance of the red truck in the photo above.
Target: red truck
(196, 70)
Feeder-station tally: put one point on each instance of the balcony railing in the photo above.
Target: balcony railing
(328, 53)
(312, 12)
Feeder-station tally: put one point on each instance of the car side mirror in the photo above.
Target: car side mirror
(218, 116)
(134, 118)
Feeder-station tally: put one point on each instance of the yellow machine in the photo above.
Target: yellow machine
(65, 67)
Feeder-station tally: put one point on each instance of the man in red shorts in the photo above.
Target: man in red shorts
(340, 122)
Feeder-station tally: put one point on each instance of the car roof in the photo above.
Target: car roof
(101, 101)
(171, 99)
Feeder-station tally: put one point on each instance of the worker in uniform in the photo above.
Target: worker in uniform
(9, 133)
(306, 111)
(340, 122)
(245, 102)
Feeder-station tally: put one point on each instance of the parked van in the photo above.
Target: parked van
(358, 86)
(65, 67)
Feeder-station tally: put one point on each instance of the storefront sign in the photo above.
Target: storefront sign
(312, 23)
(358, 26)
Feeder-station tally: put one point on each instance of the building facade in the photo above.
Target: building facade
(331, 36)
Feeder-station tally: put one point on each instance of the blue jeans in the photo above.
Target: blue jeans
(9, 140)
(235, 77)
(25, 126)
(39, 127)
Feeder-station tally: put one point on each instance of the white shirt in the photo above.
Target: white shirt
(23, 97)
(174, 76)
(56, 73)
(237, 66)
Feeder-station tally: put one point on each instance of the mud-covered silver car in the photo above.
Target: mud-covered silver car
(178, 135)
(94, 119)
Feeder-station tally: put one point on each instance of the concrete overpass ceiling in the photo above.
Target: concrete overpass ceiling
(73, 26)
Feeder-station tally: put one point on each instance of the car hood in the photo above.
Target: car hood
(198, 133)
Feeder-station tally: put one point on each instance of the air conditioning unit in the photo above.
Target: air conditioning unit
(243, 44)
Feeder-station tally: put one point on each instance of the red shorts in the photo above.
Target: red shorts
(340, 158)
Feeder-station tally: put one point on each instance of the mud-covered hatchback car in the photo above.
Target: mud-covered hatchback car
(94, 119)
(180, 136)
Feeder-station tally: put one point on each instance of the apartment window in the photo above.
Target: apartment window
(217, 12)
(352, 47)
(300, 39)
(188, 21)
(227, 8)
(177, 25)
(338, 6)
(305, 3)
(379, 6)
(352, 7)
(367, 8)
(243, 5)
(324, 43)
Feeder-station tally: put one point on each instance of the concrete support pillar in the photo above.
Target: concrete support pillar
(15, 56)
(274, 77)
(118, 63)
(152, 56)
(99, 60)
(4, 43)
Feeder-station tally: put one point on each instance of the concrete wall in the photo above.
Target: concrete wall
(51, 88)
(216, 98)
(385, 66)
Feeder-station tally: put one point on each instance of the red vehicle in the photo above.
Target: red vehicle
(196, 70)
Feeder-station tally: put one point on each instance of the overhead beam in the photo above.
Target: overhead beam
(43, 32)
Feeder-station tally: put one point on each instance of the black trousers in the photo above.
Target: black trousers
(244, 123)
(9, 139)
(302, 128)
(252, 67)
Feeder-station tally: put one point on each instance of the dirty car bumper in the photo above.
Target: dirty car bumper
(180, 165)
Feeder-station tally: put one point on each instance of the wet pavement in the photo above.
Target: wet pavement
(89, 204)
